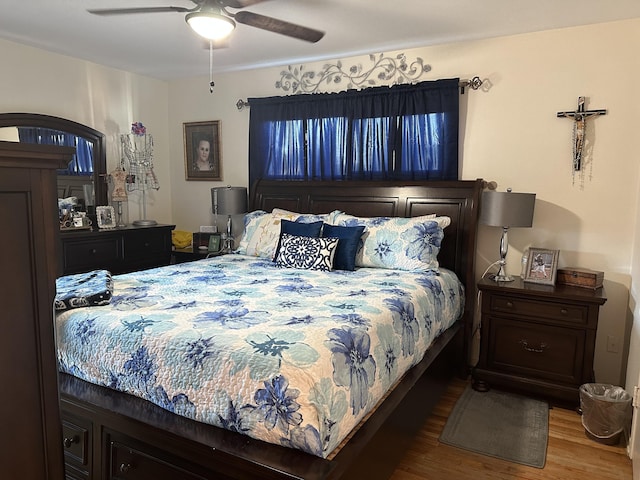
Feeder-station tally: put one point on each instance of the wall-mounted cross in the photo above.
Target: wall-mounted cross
(580, 117)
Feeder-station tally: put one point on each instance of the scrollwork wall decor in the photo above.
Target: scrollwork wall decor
(387, 70)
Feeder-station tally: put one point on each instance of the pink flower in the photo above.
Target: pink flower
(137, 128)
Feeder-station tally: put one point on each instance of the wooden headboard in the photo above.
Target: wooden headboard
(459, 200)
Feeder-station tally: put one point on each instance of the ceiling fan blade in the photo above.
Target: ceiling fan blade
(278, 26)
(124, 11)
(240, 3)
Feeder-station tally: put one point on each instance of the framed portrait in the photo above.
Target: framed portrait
(542, 266)
(106, 217)
(202, 150)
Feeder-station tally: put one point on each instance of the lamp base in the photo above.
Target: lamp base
(144, 223)
(228, 245)
(502, 275)
(502, 278)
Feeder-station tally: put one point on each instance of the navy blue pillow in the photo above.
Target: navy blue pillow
(345, 257)
(299, 230)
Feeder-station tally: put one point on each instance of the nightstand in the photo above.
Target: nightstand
(537, 339)
(188, 254)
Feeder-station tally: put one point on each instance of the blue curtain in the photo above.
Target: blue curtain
(82, 163)
(398, 132)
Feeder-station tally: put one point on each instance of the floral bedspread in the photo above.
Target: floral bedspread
(292, 357)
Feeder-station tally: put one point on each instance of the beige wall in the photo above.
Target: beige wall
(106, 99)
(510, 135)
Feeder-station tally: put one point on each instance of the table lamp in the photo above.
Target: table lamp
(506, 210)
(229, 201)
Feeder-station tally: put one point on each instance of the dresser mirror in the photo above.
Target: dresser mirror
(91, 190)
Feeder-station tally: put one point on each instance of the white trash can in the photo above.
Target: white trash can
(606, 410)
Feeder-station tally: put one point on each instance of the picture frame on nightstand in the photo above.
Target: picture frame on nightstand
(215, 243)
(542, 266)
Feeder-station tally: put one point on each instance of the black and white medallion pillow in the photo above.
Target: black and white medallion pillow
(306, 252)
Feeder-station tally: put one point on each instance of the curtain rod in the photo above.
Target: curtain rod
(474, 84)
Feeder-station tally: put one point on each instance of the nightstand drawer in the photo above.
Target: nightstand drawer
(561, 312)
(534, 350)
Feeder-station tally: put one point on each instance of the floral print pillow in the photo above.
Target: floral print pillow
(398, 243)
(262, 232)
(307, 217)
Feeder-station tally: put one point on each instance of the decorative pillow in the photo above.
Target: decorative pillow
(345, 258)
(306, 252)
(398, 243)
(299, 229)
(83, 290)
(307, 217)
(261, 233)
(341, 218)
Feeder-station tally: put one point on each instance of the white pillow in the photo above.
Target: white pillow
(261, 233)
(307, 217)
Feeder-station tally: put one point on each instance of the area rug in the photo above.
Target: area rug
(499, 424)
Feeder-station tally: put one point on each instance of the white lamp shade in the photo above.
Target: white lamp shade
(507, 209)
(229, 200)
(210, 25)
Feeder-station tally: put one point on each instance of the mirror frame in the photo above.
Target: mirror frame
(62, 124)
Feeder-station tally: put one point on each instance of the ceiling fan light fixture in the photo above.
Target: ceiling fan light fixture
(210, 25)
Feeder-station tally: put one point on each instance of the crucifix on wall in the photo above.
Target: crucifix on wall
(580, 117)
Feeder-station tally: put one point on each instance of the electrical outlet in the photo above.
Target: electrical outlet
(612, 344)
(208, 229)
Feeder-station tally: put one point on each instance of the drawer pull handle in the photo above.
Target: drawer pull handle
(93, 251)
(125, 467)
(67, 442)
(525, 344)
(509, 304)
(564, 311)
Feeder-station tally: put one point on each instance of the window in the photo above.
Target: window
(399, 132)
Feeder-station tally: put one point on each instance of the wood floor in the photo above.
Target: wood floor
(570, 454)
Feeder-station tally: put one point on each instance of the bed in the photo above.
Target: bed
(112, 434)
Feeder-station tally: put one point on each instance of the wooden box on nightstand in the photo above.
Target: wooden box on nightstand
(537, 339)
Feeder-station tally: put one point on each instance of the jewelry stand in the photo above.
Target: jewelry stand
(139, 150)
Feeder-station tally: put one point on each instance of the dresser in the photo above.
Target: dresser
(30, 446)
(537, 339)
(119, 250)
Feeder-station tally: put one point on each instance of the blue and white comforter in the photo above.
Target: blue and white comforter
(292, 357)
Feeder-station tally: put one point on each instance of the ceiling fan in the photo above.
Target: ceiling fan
(211, 20)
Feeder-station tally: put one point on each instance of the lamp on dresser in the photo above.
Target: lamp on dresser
(506, 210)
(229, 201)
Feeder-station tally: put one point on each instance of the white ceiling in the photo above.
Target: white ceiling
(161, 45)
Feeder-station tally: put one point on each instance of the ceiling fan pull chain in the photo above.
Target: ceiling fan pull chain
(211, 82)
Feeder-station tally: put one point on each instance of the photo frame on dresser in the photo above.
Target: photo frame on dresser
(106, 217)
(542, 266)
(202, 150)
